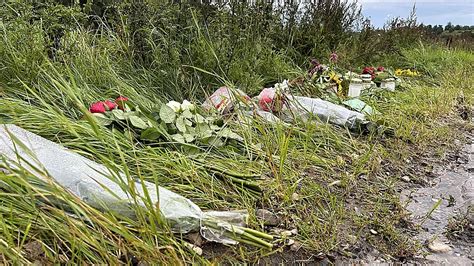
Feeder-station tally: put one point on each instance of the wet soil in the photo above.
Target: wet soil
(440, 203)
(442, 209)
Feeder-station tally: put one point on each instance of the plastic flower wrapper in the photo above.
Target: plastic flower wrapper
(224, 100)
(337, 79)
(110, 191)
(306, 108)
(406, 72)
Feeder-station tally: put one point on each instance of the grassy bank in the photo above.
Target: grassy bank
(329, 184)
(335, 187)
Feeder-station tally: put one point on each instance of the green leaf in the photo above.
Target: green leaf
(201, 127)
(199, 118)
(118, 114)
(128, 134)
(203, 130)
(102, 119)
(228, 133)
(191, 130)
(138, 122)
(150, 134)
(187, 122)
(129, 114)
(180, 124)
(214, 141)
(210, 119)
(167, 114)
(215, 128)
(189, 137)
(179, 138)
(187, 114)
(127, 107)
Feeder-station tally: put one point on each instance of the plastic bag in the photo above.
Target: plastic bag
(95, 184)
(223, 220)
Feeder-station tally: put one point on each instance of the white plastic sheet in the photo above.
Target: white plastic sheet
(96, 185)
(306, 108)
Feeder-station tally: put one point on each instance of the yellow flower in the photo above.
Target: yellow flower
(398, 72)
(334, 77)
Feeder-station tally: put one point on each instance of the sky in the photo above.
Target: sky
(428, 11)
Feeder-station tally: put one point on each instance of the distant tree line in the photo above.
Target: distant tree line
(439, 29)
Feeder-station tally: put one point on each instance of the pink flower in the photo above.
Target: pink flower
(271, 101)
(265, 99)
(333, 57)
(97, 107)
(110, 105)
(381, 69)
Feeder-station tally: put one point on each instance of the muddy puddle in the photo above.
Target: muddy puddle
(436, 207)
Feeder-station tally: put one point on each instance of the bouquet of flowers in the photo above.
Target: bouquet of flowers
(178, 123)
(173, 121)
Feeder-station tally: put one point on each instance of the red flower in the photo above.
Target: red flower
(368, 70)
(110, 105)
(120, 101)
(381, 69)
(97, 107)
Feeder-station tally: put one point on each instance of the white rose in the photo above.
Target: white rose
(186, 105)
(176, 106)
(282, 87)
